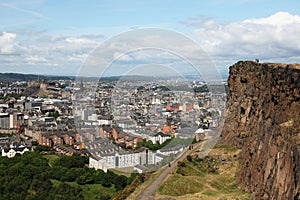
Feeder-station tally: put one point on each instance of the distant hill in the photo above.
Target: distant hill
(4, 77)
(27, 77)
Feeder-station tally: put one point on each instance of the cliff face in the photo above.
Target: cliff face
(263, 119)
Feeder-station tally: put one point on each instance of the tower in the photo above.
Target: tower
(81, 85)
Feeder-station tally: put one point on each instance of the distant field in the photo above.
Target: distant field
(205, 179)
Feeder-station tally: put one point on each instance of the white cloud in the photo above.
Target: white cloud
(7, 42)
(121, 57)
(79, 41)
(278, 19)
(35, 59)
(268, 38)
(38, 52)
(274, 38)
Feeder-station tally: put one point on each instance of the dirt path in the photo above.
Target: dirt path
(149, 192)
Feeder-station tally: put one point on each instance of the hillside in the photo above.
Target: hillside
(263, 119)
(211, 177)
(27, 77)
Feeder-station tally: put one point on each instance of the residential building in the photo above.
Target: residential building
(159, 137)
(121, 159)
(12, 151)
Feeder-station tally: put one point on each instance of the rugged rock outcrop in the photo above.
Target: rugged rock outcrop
(263, 119)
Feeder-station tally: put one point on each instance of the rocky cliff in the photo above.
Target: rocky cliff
(263, 119)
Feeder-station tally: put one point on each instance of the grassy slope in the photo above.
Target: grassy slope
(90, 191)
(197, 183)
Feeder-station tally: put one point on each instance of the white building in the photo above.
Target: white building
(121, 159)
(158, 157)
(159, 137)
(11, 152)
(131, 159)
(126, 124)
(140, 168)
(104, 122)
(173, 150)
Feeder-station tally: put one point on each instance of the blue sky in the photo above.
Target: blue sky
(55, 37)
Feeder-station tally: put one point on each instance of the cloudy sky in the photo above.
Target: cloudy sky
(57, 37)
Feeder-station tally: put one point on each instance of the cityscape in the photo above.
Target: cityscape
(149, 100)
(140, 125)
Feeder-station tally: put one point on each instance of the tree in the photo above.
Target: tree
(54, 114)
(41, 148)
(81, 180)
(34, 143)
(120, 182)
(74, 161)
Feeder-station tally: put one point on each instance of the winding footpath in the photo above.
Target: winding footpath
(149, 192)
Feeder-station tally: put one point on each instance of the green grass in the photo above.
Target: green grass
(176, 141)
(56, 182)
(123, 171)
(210, 193)
(190, 170)
(90, 191)
(224, 184)
(51, 158)
(179, 185)
(226, 147)
(209, 185)
(198, 177)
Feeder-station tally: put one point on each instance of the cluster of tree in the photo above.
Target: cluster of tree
(29, 177)
(153, 147)
(161, 88)
(54, 114)
(40, 148)
(85, 175)
(201, 89)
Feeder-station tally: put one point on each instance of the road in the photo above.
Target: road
(149, 192)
